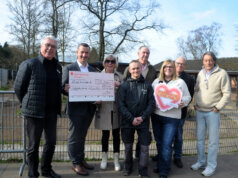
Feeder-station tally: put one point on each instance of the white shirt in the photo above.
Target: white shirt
(82, 68)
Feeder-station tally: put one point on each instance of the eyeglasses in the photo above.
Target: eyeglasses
(181, 64)
(110, 61)
(50, 45)
(168, 67)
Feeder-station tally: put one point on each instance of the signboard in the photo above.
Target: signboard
(91, 86)
(167, 98)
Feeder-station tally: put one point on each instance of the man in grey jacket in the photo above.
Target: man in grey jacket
(38, 88)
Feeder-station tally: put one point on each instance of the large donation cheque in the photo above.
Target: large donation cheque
(91, 86)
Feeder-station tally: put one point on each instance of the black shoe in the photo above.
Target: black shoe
(156, 170)
(155, 158)
(126, 172)
(51, 174)
(178, 163)
(163, 176)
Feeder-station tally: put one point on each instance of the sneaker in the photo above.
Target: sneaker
(208, 172)
(197, 166)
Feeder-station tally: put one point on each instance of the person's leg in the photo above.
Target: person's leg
(201, 136)
(168, 128)
(105, 138)
(145, 140)
(50, 124)
(178, 144)
(78, 127)
(213, 125)
(34, 132)
(116, 148)
(128, 139)
(116, 140)
(154, 121)
(156, 131)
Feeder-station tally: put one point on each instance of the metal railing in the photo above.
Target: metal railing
(13, 135)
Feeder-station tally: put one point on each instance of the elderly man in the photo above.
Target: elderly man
(149, 74)
(38, 88)
(180, 65)
(135, 104)
(80, 114)
(212, 93)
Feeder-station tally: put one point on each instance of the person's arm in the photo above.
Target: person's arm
(121, 103)
(186, 98)
(226, 92)
(65, 81)
(150, 104)
(22, 80)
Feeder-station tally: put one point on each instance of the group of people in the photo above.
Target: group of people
(40, 82)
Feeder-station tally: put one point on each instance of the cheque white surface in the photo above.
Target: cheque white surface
(91, 86)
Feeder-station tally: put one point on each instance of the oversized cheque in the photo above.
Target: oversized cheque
(91, 86)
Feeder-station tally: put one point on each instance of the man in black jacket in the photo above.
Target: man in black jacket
(180, 64)
(135, 104)
(80, 113)
(38, 88)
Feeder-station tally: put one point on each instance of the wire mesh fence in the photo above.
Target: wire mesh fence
(12, 143)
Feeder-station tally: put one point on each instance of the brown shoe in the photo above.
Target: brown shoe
(79, 170)
(86, 165)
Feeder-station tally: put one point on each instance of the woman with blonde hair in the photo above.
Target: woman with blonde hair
(166, 121)
(107, 118)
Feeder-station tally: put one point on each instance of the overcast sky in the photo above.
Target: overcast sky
(180, 16)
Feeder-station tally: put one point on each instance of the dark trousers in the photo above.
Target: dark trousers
(35, 127)
(178, 140)
(144, 137)
(78, 128)
(116, 140)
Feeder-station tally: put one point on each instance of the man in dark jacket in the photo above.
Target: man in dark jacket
(80, 114)
(149, 74)
(38, 88)
(135, 104)
(180, 64)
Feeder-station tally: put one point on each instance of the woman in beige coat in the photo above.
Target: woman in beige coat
(107, 118)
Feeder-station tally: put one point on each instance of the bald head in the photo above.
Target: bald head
(180, 64)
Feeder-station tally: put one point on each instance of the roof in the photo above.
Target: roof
(229, 64)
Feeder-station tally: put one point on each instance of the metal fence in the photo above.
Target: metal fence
(13, 142)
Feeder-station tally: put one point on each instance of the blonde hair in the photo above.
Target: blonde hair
(111, 57)
(161, 74)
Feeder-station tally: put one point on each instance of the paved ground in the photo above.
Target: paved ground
(227, 168)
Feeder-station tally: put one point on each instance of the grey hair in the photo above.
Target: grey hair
(210, 54)
(49, 37)
(143, 47)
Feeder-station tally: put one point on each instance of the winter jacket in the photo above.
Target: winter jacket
(30, 87)
(106, 116)
(135, 99)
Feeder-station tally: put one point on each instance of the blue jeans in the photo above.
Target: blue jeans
(178, 140)
(166, 129)
(211, 121)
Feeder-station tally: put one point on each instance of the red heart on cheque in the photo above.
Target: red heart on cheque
(167, 98)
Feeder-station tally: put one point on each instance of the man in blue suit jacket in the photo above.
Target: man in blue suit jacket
(80, 113)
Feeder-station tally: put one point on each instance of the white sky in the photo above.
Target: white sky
(181, 16)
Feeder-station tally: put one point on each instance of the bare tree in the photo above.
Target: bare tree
(26, 15)
(200, 40)
(114, 26)
(58, 22)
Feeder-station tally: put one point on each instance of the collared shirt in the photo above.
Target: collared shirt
(207, 74)
(82, 68)
(144, 70)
